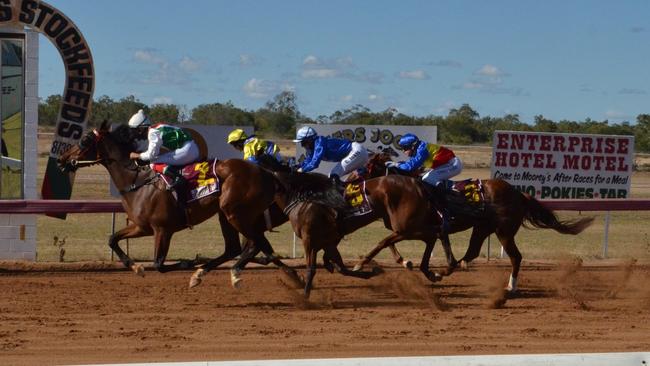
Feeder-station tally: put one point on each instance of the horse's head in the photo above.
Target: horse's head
(376, 166)
(97, 147)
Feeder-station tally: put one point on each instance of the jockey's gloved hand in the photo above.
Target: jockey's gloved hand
(392, 164)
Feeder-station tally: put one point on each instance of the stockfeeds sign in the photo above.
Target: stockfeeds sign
(558, 166)
(373, 137)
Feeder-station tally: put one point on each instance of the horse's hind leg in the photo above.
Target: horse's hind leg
(508, 243)
(232, 249)
(131, 231)
(426, 257)
(452, 263)
(335, 256)
(390, 240)
(163, 239)
(479, 234)
(311, 267)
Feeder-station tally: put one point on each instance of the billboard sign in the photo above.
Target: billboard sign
(375, 138)
(564, 166)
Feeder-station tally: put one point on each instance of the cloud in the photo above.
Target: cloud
(632, 91)
(613, 114)
(314, 67)
(415, 74)
(188, 64)
(260, 88)
(164, 71)
(490, 70)
(162, 100)
(247, 60)
(346, 98)
(637, 29)
(445, 107)
(445, 63)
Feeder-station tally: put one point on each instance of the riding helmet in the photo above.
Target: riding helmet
(408, 141)
(139, 120)
(237, 135)
(304, 133)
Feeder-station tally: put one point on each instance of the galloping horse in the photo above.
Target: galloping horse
(506, 210)
(317, 213)
(246, 192)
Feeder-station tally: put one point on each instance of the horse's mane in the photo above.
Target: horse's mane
(122, 135)
(310, 187)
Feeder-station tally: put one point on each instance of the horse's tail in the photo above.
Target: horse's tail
(542, 217)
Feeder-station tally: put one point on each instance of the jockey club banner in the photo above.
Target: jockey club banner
(561, 166)
(79, 84)
(375, 138)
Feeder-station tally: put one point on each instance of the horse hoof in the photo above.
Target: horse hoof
(234, 279)
(408, 265)
(138, 269)
(196, 280)
(464, 265)
(236, 283)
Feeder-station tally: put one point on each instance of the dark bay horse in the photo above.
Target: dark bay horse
(506, 210)
(316, 211)
(246, 192)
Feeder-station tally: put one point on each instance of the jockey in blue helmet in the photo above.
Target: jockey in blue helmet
(439, 162)
(347, 154)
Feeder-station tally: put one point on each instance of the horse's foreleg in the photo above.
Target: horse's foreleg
(250, 251)
(387, 241)
(163, 239)
(452, 263)
(131, 231)
(426, 257)
(263, 244)
(399, 259)
(311, 268)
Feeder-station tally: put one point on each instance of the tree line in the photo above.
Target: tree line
(280, 115)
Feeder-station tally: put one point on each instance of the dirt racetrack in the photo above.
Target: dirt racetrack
(86, 313)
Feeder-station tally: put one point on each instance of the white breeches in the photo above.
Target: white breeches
(452, 168)
(357, 158)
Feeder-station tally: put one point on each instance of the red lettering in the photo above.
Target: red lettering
(500, 158)
(570, 162)
(598, 159)
(526, 158)
(545, 143)
(623, 145)
(622, 167)
(573, 142)
(610, 163)
(585, 162)
(559, 143)
(609, 145)
(503, 141)
(514, 160)
(550, 163)
(586, 145)
(517, 142)
(532, 139)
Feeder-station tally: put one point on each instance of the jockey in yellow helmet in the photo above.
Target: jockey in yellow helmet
(252, 146)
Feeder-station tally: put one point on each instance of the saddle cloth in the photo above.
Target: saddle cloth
(357, 199)
(201, 179)
(471, 189)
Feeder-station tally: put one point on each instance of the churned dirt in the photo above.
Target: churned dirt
(95, 313)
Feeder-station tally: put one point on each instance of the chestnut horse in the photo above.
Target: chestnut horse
(246, 192)
(316, 210)
(506, 210)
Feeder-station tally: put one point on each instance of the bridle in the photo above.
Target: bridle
(76, 164)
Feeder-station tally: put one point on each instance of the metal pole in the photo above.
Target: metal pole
(294, 246)
(606, 238)
(488, 248)
(112, 233)
(127, 239)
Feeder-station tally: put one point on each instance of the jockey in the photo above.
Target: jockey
(440, 162)
(253, 147)
(348, 155)
(182, 148)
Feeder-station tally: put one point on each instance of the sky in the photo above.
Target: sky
(561, 59)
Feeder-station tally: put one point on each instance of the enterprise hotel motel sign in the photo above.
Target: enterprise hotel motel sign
(564, 166)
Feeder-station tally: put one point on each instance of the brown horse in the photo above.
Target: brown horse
(317, 213)
(506, 210)
(246, 192)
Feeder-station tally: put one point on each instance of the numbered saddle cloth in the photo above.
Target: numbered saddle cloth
(471, 189)
(201, 178)
(357, 199)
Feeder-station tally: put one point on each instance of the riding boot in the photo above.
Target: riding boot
(338, 184)
(179, 184)
(441, 206)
